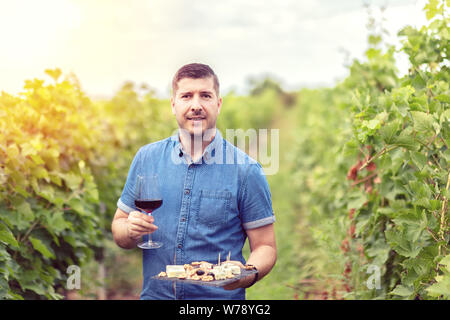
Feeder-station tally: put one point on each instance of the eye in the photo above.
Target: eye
(206, 95)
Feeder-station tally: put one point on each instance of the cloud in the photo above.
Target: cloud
(108, 42)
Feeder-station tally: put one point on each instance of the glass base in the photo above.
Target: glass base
(150, 245)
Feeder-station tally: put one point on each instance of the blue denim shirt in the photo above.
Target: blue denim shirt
(207, 206)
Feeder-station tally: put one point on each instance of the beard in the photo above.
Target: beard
(197, 134)
(198, 126)
(199, 131)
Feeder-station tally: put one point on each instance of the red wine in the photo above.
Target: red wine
(148, 205)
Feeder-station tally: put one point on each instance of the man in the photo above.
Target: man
(214, 196)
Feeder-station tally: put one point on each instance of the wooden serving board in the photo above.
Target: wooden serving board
(213, 283)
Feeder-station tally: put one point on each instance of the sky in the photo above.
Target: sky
(301, 43)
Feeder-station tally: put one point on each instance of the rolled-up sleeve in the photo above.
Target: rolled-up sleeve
(126, 200)
(255, 201)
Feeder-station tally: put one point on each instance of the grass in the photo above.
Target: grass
(277, 285)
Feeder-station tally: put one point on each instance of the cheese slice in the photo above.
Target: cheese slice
(175, 271)
(231, 268)
(219, 273)
(234, 269)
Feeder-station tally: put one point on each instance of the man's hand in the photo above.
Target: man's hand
(241, 283)
(128, 228)
(263, 255)
(139, 224)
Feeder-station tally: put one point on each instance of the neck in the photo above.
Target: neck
(196, 144)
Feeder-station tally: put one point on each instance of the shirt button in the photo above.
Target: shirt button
(183, 219)
(187, 191)
(180, 246)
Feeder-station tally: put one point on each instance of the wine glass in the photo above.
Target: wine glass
(148, 198)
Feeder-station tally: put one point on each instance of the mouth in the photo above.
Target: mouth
(196, 118)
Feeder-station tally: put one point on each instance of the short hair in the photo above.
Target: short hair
(195, 71)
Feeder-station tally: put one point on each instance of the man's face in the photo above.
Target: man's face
(196, 105)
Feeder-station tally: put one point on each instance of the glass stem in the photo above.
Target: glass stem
(149, 235)
(149, 241)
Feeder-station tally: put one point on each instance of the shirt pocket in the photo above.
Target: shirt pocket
(213, 207)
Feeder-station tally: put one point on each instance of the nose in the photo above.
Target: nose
(196, 105)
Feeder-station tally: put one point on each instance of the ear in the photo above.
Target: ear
(172, 103)
(219, 105)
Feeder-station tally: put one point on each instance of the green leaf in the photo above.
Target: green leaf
(402, 94)
(440, 288)
(7, 236)
(402, 291)
(373, 39)
(25, 212)
(442, 285)
(406, 140)
(423, 202)
(431, 9)
(47, 192)
(351, 148)
(357, 202)
(372, 124)
(28, 149)
(401, 244)
(28, 281)
(41, 247)
(41, 173)
(56, 222)
(419, 159)
(54, 153)
(420, 266)
(412, 226)
(20, 215)
(72, 180)
(443, 98)
(37, 159)
(389, 131)
(418, 81)
(56, 179)
(445, 262)
(51, 294)
(78, 206)
(419, 189)
(54, 73)
(423, 122)
(379, 251)
(387, 211)
(12, 151)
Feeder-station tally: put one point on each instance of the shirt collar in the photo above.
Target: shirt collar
(215, 143)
